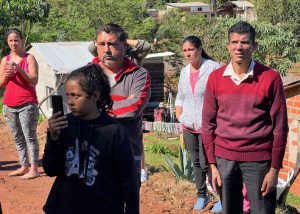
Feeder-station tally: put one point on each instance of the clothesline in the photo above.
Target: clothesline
(163, 127)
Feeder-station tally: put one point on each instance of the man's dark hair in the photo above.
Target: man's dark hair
(113, 28)
(243, 27)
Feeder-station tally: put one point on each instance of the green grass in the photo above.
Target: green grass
(293, 200)
(156, 145)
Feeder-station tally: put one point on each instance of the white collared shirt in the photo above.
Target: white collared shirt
(235, 78)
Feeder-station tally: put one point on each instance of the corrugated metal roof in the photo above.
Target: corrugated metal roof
(163, 54)
(64, 57)
(188, 4)
(242, 4)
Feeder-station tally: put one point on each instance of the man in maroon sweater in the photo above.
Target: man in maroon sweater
(245, 126)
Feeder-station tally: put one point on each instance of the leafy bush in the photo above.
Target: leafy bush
(158, 148)
(40, 119)
(1, 99)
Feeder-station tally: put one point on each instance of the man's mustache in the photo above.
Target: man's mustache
(108, 55)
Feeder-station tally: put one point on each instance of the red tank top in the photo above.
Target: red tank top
(18, 91)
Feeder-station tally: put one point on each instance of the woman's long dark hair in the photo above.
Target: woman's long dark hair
(91, 78)
(196, 41)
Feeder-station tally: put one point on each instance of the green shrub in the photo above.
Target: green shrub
(1, 99)
(40, 118)
(158, 148)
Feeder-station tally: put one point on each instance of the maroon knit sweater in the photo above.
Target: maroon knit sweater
(246, 122)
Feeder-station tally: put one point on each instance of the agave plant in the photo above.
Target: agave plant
(185, 169)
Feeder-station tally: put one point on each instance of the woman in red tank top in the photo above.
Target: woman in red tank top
(19, 76)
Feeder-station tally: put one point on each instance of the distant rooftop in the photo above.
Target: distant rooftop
(188, 4)
(290, 81)
(163, 54)
(64, 57)
(242, 4)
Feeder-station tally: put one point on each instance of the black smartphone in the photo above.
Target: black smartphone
(57, 104)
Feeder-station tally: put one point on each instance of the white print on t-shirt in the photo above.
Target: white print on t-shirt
(73, 161)
(91, 172)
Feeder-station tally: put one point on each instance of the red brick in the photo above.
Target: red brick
(286, 169)
(290, 103)
(285, 163)
(291, 164)
(297, 104)
(296, 98)
(294, 142)
(295, 129)
(294, 111)
(297, 181)
(295, 189)
(283, 175)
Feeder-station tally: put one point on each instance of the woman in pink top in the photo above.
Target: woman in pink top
(19, 76)
(188, 105)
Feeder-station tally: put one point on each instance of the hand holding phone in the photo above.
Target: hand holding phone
(57, 121)
(57, 104)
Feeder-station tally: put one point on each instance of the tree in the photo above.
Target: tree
(291, 16)
(68, 21)
(277, 46)
(5, 22)
(25, 13)
(269, 11)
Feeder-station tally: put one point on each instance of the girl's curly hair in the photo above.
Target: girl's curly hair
(91, 78)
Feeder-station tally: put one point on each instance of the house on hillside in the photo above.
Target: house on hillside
(57, 59)
(237, 9)
(292, 91)
(192, 7)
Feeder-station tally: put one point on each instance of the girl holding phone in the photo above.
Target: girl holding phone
(89, 152)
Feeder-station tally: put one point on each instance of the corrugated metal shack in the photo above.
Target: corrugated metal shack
(155, 64)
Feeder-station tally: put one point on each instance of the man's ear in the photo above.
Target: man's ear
(227, 45)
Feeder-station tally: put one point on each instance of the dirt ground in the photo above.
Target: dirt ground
(160, 194)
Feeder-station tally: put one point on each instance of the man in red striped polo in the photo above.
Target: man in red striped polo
(245, 126)
(130, 84)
